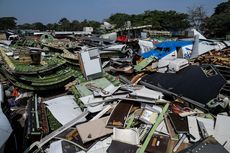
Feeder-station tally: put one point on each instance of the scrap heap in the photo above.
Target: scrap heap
(93, 96)
(221, 57)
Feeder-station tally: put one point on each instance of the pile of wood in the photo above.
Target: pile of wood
(221, 57)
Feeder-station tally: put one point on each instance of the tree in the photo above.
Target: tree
(25, 26)
(94, 24)
(222, 8)
(196, 16)
(160, 20)
(7, 23)
(64, 24)
(153, 18)
(173, 21)
(119, 19)
(55, 26)
(38, 26)
(76, 25)
(218, 24)
(49, 26)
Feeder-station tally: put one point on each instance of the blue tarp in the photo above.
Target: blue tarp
(165, 48)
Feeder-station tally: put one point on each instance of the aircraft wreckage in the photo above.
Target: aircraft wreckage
(89, 94)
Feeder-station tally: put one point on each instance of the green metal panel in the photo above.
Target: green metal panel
(144, 63)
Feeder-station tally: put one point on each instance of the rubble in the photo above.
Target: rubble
(220, 57)
(89, 94)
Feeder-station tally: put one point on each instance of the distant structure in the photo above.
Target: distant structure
(107, 26)
(158, 33)
(132, 32)
(191, 33)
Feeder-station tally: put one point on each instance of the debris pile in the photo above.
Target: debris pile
(221, 57)
(92, 95)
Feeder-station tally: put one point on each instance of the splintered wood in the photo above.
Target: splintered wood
(221, 57)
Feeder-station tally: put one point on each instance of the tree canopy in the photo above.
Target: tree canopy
(160, 20)
(218, 25)
(7, 23)
(62, 25)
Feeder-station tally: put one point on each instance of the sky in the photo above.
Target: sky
(51, 11)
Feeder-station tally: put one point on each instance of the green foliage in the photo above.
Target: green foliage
(218, 24)
(76, 25)
(215, 26)
(52, 26)
(222, 8)
(7, 23)
(119, 19)
(36, 26)
(25, 26)
(63, 25)
(39, 26)
(160, 20)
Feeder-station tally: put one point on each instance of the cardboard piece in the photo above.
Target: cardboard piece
(94, 129)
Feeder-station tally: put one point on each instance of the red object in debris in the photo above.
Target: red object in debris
(155, 42)
(179, 108)
(123, 39)
(15, 92)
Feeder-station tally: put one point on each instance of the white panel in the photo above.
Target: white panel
(55, 147)
(90, 66)
(64, 109)
(130, 136)
(222, 129)
(193, 128)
